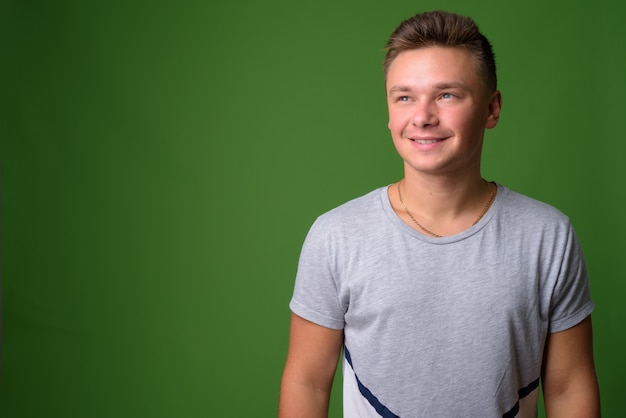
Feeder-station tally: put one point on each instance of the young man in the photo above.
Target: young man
(451, 296)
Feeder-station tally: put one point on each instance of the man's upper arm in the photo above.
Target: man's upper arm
(313, 349)
(310, 368)
(569, 380)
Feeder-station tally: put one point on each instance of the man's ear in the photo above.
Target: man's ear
(495, 105)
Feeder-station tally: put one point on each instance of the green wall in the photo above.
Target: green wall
(161, 163)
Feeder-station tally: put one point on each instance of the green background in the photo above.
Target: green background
(161, 163)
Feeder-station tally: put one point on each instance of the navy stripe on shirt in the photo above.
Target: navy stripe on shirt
(367, 394)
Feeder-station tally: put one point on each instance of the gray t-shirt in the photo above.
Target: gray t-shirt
(442, 327)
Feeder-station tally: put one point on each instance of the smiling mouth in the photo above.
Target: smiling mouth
(425, 141)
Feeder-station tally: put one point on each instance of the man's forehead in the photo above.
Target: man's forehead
(437, 67)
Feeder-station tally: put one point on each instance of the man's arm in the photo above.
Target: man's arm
(570, 386)
(309, 371)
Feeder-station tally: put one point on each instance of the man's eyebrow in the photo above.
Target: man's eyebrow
(440, 86)
(396, 89)
(451, 85)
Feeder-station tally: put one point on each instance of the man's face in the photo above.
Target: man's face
(438, 110)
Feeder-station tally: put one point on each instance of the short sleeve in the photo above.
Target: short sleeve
(316, 292)
(571, 297)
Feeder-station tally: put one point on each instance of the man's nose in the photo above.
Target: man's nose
(425, 114)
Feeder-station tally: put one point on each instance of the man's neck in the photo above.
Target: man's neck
(441, 205)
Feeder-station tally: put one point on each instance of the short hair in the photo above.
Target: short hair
(439, 28)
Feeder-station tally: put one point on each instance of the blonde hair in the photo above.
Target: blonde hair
(439, 28)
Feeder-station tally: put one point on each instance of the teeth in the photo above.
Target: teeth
(426, 141)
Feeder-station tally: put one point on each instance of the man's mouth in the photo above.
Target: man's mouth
(424, 141)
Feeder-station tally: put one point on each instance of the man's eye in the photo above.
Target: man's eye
(447, 96)
(403, 98)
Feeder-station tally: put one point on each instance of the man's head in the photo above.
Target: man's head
(444, 29)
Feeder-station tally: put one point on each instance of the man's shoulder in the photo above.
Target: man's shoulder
(357, 211)
(529, 209)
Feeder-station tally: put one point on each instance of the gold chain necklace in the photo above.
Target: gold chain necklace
(428, 231)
